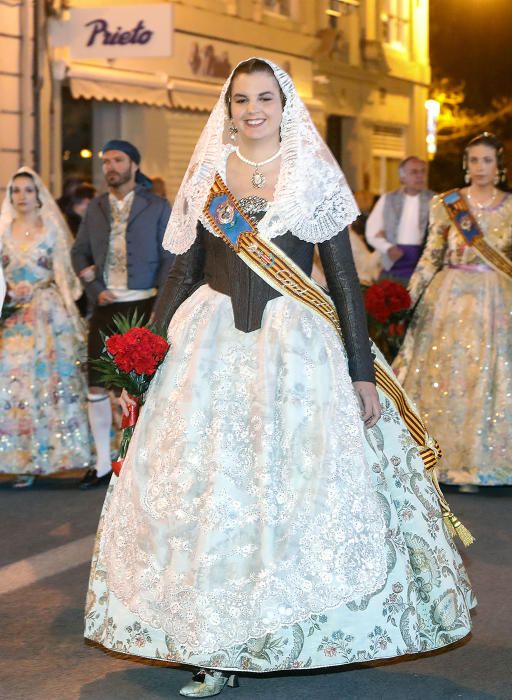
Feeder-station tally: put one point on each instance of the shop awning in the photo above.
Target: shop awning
(116, 85)
(189, 94)
(96, 82)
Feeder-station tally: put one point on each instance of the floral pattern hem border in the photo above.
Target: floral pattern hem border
(423, 604)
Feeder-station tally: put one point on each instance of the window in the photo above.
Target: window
(388, 149)
(395, 18)
(279, 7)
(337, 8)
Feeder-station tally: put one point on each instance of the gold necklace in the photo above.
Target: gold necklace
(482, 205)
(25, 243)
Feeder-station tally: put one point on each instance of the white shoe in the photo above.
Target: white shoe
(23, 481)
(468, 488)
(206, 685)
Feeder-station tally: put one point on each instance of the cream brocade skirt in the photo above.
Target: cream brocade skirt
(256, 525)
(456, 366)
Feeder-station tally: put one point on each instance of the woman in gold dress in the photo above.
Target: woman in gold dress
(456, 360)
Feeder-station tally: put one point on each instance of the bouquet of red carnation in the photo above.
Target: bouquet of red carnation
(129, 361)
(387, 306)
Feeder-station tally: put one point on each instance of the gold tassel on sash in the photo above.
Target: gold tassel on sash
(453, 524)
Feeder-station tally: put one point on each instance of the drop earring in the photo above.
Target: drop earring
(467, 179)
(233, 131)
(497, 179)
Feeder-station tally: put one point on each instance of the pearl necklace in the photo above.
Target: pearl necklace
(483, 205)
(258, 179)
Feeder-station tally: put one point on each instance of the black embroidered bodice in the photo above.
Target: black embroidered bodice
(210, 261)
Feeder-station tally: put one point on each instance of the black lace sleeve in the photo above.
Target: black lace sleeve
(345, 290)
(184, 277)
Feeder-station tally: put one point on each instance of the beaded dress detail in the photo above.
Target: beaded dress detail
(456, 361)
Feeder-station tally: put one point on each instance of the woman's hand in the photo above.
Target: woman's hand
(125, 401)
(369, 402)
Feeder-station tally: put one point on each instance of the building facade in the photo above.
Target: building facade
(17, 120)
(361, 66)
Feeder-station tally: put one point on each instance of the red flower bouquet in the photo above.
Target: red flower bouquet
(129, 361)
(387, 306)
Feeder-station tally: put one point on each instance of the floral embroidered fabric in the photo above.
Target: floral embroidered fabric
(116, 271)
(456, 360)
(422, 605)
(245, 502)
(43, 409)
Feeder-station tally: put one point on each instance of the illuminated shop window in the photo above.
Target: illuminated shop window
(396, 21)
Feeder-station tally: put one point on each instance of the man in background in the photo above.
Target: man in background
(397, 225)
(118, 255)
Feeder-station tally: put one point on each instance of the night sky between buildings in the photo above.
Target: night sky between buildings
(471, 41)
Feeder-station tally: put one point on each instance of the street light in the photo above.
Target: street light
(433, 108)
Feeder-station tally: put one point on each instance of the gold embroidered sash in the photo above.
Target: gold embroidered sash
(268, 261)
(466, 224)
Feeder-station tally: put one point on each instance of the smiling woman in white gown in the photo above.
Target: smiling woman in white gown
(259, 524)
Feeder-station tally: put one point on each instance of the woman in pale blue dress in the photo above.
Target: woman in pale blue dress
(264, 520)
(43, 417)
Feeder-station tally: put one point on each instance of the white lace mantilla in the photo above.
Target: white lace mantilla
(245, 502)
(66, 280)
(311, 199)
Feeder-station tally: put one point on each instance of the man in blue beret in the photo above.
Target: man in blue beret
(118, 255)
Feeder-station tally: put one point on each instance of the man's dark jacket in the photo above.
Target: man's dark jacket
(147, 262)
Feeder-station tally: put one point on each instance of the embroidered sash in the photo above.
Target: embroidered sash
(268, 261)
(468, 227)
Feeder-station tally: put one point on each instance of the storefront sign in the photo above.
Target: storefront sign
(120, 32)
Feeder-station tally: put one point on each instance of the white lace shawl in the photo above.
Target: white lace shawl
(311, 199)
(66, 280)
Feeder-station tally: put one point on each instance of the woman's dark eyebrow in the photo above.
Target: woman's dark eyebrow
(261, 94)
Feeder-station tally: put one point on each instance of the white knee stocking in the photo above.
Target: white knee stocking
(100, 420)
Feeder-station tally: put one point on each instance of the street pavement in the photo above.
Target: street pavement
(47, 537)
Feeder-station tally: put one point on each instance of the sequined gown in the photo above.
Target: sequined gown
(43, 413)
(456, 361)
(255, 524)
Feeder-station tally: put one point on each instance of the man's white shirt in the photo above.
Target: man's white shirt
(409, 232)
